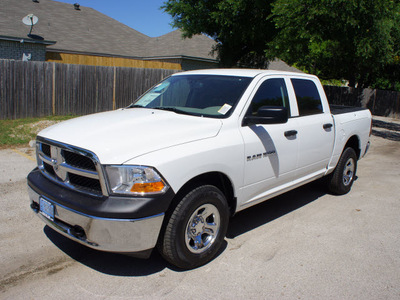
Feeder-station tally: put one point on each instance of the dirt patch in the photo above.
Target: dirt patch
(38, 126)
(28, 272)
(26, 133)
(27, 130)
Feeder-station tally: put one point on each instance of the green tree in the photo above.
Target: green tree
(390, 76)
(241, 28)
(356, 40)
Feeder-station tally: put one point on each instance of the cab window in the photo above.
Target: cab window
(307, 95)
(272, 92)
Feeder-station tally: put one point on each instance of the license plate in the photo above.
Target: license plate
(46, 209)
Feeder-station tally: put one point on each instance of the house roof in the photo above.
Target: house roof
(65, 29)
(280, 65)
(26, 40)
(172, 43)
(89, 31)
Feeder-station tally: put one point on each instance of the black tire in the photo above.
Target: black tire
(205, 210)
(341, 180)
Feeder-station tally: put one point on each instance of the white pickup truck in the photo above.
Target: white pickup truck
(169, 170)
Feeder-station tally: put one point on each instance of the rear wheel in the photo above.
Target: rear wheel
(196, 229)
(342, 178)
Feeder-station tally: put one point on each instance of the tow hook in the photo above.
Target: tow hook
(77, 231)
(35, 207)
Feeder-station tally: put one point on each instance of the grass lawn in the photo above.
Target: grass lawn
(19, 132)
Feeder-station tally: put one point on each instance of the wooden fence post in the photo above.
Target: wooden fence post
(114, 84)
(54, 89)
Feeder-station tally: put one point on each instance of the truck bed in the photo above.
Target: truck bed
(341, 109)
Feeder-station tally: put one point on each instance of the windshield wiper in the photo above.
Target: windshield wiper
(173, 109)
(135, 105)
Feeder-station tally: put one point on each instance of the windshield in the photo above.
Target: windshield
(203, 95)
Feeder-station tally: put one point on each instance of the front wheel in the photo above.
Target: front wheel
(196, 229)
(342, 178)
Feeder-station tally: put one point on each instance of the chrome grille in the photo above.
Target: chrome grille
(46, 149)
(79, 161)
(72, 167)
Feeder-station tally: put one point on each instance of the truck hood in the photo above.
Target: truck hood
(118, 136)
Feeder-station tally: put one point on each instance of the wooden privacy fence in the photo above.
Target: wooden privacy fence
(37, 89)
(380, 103)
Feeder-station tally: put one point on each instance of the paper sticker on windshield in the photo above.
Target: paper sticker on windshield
(161, 87)
(224, 109)
(146, 99)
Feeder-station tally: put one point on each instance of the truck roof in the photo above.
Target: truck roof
(239, 72)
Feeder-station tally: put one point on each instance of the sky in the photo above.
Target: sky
(144, 16)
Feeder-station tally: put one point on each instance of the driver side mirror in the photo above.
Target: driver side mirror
(267, 115)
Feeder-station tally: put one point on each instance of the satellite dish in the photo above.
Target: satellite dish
(30, 20)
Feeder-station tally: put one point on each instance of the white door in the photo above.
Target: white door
(270, 150)
(315, 129)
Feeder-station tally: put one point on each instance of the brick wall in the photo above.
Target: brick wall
(15, 50)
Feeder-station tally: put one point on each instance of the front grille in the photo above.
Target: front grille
(46, 150)
(71, 167)
(79, 161)
(49, 169)
(87, 184)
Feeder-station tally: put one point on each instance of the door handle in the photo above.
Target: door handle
(290, 133)
(328, 126)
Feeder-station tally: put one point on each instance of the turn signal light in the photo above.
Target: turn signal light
(148, 187)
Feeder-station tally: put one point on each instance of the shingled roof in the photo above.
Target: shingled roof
(172, 43)
(89, 31)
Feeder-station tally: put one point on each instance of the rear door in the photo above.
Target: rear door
(315, 128)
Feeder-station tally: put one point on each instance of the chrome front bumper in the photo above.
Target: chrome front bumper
(114, 235)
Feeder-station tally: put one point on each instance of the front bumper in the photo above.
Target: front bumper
(107, 234)
(108, 223)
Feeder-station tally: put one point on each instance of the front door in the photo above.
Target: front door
(270, 150)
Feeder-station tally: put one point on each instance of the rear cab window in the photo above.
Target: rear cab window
(308, 98)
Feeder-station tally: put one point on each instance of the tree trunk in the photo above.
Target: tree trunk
(352, 81)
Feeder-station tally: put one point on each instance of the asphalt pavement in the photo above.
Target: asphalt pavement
(306, 244)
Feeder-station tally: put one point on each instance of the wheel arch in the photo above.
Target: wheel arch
(217, 179)
(354, 142)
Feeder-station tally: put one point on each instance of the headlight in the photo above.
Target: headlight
(135, 180)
